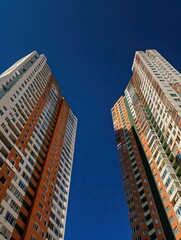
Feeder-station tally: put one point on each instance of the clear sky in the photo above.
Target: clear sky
(90, 46)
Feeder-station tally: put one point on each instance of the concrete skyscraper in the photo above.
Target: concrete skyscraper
(147, 126)
(37, 135)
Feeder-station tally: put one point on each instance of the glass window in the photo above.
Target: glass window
(171, 219)
(10, 218)
(175, 230)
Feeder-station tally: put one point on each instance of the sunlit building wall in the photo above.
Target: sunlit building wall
(37, 138)
(147, 126)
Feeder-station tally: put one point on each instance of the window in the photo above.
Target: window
(135, 229)
(167, 209)
(42, 234)
(28, 169)
(25, 176)
(177, 99)
(43, 196)
(22, 185)
(175, 230)
(30, 160)
(16, 192)
(35, 227)
(178, 211)
(5, 232)
(171, 141)
(10, 218)
(142, 222)
(3, 180)
(41, 205)
(38, 215)
(164, 173)
(1, 209)
(45, 188)
(168, 182)
(171, 219)
(153, 211)
(159, 231)
(138, 238)
(12, 161)
(1, 112)
(33, 238)
(14, 206)
(47, 180)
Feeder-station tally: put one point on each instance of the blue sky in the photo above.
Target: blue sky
(90, 47)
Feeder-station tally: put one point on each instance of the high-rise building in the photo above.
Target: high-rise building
(37, 136)
(147, 126)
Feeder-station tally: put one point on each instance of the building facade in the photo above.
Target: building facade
(147, 126)
(38, 132)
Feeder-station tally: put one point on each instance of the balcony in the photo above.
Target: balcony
(174, 164)
(139, 189)
(167, 150)
(4, 152)
(146, 213)
(180, 179)
(2, 160)
(139, 181)
(164, 144)
(138, 174)
(12, 137)
(151, 232)
(144, 204)
(177, 204)
(14, 129)
(149, 221)
(161, 138)
(171, 157)
(142, 196)
(178, 171)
